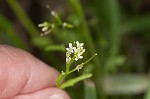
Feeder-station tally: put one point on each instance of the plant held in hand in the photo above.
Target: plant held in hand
(73, 54)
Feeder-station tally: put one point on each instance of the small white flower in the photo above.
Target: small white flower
(79, 51)
(43, 24)
(79, 45)
(44, 29)
(79, 67)
(53, 25)
(47, 6)
(71, 48)
(53, 13)
(64, 24)
(68, 59)
(78, 56)
(62, 72)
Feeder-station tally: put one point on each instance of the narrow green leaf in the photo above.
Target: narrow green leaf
(73, 81)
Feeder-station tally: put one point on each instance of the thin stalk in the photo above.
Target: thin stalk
(25, 20)
(82, 64)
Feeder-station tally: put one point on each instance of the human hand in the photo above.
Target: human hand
(22, 76)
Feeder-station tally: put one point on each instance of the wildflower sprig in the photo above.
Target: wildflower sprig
(48, 27)
(74, 53)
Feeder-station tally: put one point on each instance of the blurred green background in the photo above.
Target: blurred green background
(118, 30)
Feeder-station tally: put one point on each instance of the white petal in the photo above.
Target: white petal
(70, 44)
(44, 29)
(67, 49)
(76, 59)
(81, 57)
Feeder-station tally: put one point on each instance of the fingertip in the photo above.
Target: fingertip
(49, 93)
(58, 94)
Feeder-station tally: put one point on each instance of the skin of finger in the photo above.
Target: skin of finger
(48, 93)
(20, 72)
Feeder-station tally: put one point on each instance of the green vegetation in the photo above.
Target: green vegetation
(117, 30)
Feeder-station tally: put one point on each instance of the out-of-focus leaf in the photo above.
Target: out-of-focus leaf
(89, 90)
(136, 24)
(41, 41)
(112, 63)
(7, 27)
(55, 48)
(125, 84)
(118, 60)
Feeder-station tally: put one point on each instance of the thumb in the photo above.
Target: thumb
(22, 73)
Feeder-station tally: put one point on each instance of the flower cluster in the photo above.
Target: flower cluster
(77, 51)
(73, 53)
(48, 27)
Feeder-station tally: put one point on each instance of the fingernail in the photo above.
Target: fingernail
(57, 96)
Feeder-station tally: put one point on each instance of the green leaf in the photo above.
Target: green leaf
(125, 84)
(73, 81)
